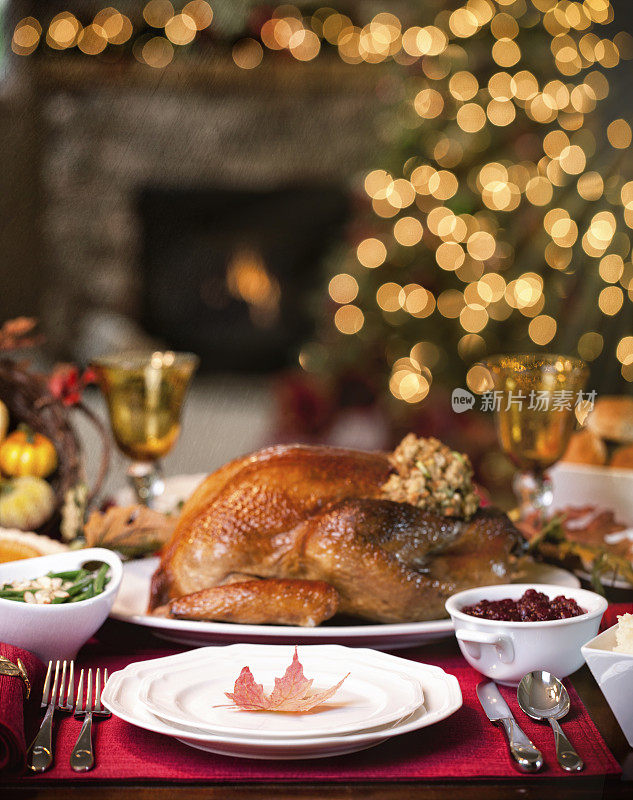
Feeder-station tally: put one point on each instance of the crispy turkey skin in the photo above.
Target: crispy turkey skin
(320, 514)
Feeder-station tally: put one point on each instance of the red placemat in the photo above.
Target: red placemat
(464, 746)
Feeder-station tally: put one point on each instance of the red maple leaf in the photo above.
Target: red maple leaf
(292, 693)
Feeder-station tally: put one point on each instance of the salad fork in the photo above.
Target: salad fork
(82, 756)
(41, 750)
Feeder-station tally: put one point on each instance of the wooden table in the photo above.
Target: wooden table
(563, 788)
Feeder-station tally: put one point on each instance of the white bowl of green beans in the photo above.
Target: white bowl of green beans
(52, 605)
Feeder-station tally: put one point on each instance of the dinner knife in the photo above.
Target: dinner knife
(523, 751)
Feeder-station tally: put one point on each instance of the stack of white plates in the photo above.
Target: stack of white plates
(183, 696)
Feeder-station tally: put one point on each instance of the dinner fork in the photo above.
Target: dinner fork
(82, 756)
(41, 750)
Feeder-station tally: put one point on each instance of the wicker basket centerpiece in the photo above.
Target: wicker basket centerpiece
(43, 406)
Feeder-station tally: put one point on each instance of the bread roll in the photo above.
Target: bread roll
(612, 419)
(622, 457)
(585, 448)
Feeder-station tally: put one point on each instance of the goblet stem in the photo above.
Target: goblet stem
(147, 481)
(533, 489)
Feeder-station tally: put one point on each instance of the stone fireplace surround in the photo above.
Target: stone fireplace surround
(107, 132)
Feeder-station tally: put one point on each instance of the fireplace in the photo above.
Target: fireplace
(229, 273)
(195, 201)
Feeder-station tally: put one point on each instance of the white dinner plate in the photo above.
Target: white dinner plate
(603, 489)
(133, 597)
(178, 489)
(442, 697)
(607, 579)
(377, 691)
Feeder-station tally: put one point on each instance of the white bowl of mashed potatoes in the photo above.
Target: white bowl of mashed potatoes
(610, 658)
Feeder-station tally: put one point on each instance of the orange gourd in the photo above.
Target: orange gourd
(25, 453)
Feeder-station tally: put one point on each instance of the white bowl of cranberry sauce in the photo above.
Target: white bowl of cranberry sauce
(505, 639)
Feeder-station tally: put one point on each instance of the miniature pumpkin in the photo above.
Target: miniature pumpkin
(25, 503)
(26, 453)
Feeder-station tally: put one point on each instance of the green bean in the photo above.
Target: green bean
(84, 596)
(15, 595)
(73, 575)
(80, 586)
(84, 584)
(100, 578)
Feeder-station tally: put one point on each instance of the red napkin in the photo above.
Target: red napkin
(15, 713)
(612, 613)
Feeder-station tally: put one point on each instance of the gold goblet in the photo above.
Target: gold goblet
(534, 398)
(145, 393)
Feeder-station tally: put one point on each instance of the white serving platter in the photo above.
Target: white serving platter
(133, 597)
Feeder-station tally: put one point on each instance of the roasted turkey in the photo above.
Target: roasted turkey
(294, 534)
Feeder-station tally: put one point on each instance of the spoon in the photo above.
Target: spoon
(543, 697)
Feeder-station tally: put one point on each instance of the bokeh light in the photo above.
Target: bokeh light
(157, 52)
(200, 12)
(26, 36)
(619, 134)
(542, 329)
(371, 253)
(349, 319)
(590, 345)
(180, 29)
(63, 31)
(92, 39)
(247, 53)
(343, 288)
(157, 13)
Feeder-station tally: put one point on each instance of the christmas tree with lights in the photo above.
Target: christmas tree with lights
(501, 219)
